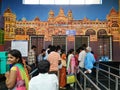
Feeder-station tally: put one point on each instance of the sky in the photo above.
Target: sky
(79, 11)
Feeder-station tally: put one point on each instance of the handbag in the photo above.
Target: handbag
(71, 79)
(20, 84)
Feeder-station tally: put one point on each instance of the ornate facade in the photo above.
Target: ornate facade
(104, 35)
(57, 25)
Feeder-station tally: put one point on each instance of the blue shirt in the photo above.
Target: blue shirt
(89, 61)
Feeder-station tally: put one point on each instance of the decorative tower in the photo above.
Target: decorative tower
(9, 25)
(69, 15)
(61, 12)
(113, 22)
(51, 16)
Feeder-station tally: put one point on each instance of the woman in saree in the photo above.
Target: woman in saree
(16, 77)
(71, 64)
(62, 78)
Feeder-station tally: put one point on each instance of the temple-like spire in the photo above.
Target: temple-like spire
(8, 10)
(70, 16)
(36, 18)
(113, 11)
(51, 14)
(61, 12)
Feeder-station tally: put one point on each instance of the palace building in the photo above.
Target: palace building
(102, 35)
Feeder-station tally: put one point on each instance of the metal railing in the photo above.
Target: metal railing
(78, 85)
(31, 73)
(110, 67)
(98, 84)
(112, 82)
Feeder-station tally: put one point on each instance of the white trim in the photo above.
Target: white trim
(62, 2)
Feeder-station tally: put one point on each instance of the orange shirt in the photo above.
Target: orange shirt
(53, 58)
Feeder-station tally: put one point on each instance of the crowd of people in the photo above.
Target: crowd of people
(53, 66)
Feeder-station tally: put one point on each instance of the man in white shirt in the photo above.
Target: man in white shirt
(81, 59)
(44, 81)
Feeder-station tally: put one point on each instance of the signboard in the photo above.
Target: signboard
(70, 32)
(22, 46)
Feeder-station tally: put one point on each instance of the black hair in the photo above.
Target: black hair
(48, 51)
(53, 48)
(84, 46)
(43, 66)
(81, 48)
(78, 50)
(16, 53)
(92, 52)
(43, 50)
(49, 46)
(33, 46)
(71, 50)
(62, 51)
(58, 47)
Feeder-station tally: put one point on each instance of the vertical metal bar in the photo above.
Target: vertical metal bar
(58, 78)
(75, 82)
(88, 40)
(119, 72)
(109, 77)
(119, 69)
(74, 44)
(97, 66)
(84, 83)
(116, 83)
(66, 44)
(110, 48)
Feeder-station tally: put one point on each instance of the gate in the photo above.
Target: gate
(80, 40)
(59, 40)
(105, 47)
(38, 41)
(62, 41)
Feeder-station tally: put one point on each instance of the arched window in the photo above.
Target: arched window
(101, 32)
(90, 32)
(115, 25)
(31, 31)
(19, 31)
